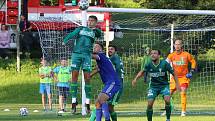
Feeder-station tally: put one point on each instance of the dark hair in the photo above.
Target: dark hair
(93, 17)
(101, 45)
(113, 47)
(159, 52)
(4, 25)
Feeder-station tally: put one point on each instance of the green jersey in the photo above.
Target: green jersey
(45, 70)
(118, 64)
(158, 73)
(146, 59)
(63, 73)
(85, 39)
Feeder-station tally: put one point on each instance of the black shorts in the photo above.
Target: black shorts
(63, 91)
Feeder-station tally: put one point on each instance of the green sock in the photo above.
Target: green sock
(88, 90)
(74, 89)
(168, 111)
(93, 115)
(113, 116)
(149, 113)
(171, 104)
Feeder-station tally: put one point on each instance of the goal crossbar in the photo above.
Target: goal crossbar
(152, 11)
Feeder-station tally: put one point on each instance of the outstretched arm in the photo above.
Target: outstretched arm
(171, 71)
(140, 74)
(177, 82)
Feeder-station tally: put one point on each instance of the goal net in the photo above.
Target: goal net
(154, 31)
(139, 32)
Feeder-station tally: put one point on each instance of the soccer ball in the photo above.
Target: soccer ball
(23, 111)
(83, 4)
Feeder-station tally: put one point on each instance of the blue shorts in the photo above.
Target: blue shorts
(45, 88)
(111, 89)
(115, 99)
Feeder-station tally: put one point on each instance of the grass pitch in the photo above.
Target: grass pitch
(13, 115)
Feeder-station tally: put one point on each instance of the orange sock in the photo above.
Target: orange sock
(183, 101)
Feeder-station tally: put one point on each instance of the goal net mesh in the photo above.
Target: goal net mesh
(139, 32)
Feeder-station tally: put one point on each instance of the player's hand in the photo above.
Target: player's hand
(134, 82)
(42, 76)
(189, 75)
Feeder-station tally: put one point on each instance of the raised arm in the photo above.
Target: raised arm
(71, 35)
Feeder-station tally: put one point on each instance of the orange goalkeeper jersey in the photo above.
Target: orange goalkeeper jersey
(180, 62)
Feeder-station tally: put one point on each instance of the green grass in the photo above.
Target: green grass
(13, 115)
(22, 90)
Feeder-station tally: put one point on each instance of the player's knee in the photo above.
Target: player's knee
(98, 105)
(111, 108)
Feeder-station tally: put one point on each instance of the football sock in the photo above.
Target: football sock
(183, 101)
(113, 116)
(149, 113)
(98, 114)
(74, 89)
(171, 104)
(168, 111)
(105, 111)
(88, 89)
(93, 115)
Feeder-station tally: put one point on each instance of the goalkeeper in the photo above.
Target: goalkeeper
(159, 84)
(180, 60)
(118, 64)
(45, 73)
(81, 57)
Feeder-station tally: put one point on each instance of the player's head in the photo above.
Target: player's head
(178, 45)
(155, 54)
(22, 17)
(98, 47)
(111, 50)
(148, 50)
(92, 21)
(63, 62)
(43, 62)
(3, 27)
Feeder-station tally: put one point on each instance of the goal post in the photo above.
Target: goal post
(157, 28)
(154, 28)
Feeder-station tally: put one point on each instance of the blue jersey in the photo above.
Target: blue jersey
(106, 70)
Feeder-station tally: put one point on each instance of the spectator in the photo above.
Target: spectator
(4, 42)
(26, 37)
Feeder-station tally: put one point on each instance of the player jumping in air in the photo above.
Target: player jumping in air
(180, 60)
(111, 81)
(45, 73)
(81, 57)
(118, 64)
(159, 84)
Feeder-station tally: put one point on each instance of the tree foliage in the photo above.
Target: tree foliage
(177, 4)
